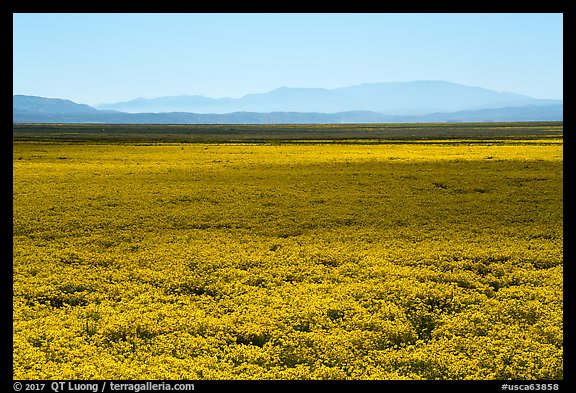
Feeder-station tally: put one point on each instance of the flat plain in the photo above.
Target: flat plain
(288, 252)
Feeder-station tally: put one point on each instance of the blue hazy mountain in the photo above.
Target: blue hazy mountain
(48, 110)
(53, 106)
(398, 98)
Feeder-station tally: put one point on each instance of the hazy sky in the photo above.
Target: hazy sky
(99, 58)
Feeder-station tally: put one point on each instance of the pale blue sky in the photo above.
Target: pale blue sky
(100, 58)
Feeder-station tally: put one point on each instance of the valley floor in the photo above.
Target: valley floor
(437, 260)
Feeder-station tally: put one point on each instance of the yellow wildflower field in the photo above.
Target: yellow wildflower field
(415, 260)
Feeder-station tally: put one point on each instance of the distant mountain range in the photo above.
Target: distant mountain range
(423, 101)
(408, 98)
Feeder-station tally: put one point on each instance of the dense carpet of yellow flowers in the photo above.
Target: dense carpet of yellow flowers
(435, 260)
